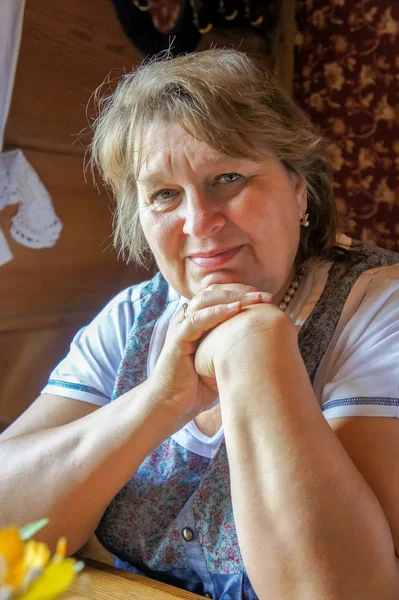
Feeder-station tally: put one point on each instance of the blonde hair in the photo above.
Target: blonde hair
(227, 100)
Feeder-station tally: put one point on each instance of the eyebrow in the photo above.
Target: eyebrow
(159, 177)
(151, 179)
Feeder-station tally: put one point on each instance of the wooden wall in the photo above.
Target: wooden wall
(68, 48)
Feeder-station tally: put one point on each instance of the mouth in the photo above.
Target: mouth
(214, 259)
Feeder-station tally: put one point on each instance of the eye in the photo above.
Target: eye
(165, 195)
(229, 178)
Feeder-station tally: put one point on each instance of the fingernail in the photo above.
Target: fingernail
(258, 296)
(233, 305)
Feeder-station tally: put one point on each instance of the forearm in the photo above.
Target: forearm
(309, 526)
(70, 473)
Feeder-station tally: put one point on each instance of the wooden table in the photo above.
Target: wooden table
(103, 582)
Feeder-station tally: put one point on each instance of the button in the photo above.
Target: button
(208, 595)
(187, 534)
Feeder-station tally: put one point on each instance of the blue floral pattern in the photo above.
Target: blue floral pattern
(140, 522)
(213, 513)
(133, 368)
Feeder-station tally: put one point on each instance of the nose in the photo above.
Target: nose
(202, 216)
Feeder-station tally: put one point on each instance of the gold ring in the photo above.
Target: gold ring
(185, 307)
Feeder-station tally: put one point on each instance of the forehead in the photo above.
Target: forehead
(165, 145)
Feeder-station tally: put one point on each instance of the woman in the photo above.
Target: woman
(248, 378)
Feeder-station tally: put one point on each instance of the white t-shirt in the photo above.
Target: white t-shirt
(358, 375)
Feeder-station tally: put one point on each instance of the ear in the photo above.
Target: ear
(301, 193)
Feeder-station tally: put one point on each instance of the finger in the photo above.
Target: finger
(247, 295)
(232, 286)
(199, 322)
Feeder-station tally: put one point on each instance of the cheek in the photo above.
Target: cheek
(161, 233)
(281, 212)
(270, 220)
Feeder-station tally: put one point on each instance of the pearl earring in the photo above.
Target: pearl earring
(304, 220)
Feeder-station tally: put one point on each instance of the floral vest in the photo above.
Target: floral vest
(142, 525)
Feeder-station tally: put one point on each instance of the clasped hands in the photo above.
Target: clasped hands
(225, 321)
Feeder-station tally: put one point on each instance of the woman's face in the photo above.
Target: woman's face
(210, 218)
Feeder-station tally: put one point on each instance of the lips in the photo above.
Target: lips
(209, 260)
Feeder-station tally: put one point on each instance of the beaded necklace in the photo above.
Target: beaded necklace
(290, 293)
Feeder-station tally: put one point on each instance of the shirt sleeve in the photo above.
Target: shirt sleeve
(89, 370)
(360, 371)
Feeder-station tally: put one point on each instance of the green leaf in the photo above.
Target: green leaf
(28, 531)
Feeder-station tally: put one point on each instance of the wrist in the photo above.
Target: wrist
(256, 343)
(152, 406)
(165, 403)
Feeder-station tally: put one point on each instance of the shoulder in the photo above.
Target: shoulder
(372, 306)
(126, 300)
(376, 290)
(88, 371)
(366, 274)
(359, 372)
(365, 253)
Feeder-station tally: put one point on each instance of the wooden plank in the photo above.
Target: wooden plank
(30, 322)
(67, 51)
(283, 44)
(26, 360)
(105, 582)
(81, 272)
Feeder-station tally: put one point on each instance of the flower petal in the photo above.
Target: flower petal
(36, 555)
(56, 578)
(15, 574)
(11, 545)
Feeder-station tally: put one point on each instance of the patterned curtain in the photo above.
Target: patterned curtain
(346, 79)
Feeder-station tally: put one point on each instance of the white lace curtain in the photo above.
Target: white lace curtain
(35, 225)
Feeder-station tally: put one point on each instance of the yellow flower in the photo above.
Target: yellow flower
(26, 571)
(57, 578)
(12, 553)
(61, 550)
(37, 555)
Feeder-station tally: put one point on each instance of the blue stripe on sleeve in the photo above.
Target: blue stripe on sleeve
(360, 400)
(76, 386)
